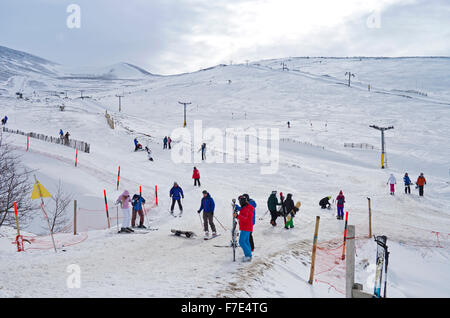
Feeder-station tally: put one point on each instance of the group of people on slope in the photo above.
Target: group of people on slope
(167, 142)
(340, 200)
(64, 137)
(137, 203)
(420, 183)
(287, 210)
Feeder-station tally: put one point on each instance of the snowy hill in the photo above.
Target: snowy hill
(313, 163)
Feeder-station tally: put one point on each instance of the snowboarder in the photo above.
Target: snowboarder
(392, 182)
(407, 182)
(291, 210)
(207, 206)
(203, 149)
(176, 193)
(340, 199)
(245, 218)
(272, 203)
(165, 140)
(421, 182)
(149, 153)
(137, 145)
(253, 204)
(196, 177)
(325, 203)
(169, 142)
(137, 203)
(124, 201)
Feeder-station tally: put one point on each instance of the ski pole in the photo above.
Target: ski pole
(262, 217)
(221, 224)
(200, 218)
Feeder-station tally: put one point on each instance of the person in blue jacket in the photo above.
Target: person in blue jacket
(407, 182)
(4, 120)
(176, 193)
(61, 134)
(253, 204)
(137, 202)
(208, 206)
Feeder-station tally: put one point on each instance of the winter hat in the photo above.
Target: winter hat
(289, 196)
(126, 193)
(205, 192)
(246, 196)
(340, 192)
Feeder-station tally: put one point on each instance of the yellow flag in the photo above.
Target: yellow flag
(43, 192)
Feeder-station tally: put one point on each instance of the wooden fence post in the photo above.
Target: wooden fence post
(313, 258)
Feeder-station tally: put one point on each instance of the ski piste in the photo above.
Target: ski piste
(233, 230)
(381, 255)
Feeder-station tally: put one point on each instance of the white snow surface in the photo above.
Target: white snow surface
(324, 114)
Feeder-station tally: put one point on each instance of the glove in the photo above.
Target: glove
(183, 196)
(198, 211)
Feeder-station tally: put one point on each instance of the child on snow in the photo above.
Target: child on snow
(407, 182)
(392, 181)
(124, 200)
(137, 203)
(291, 210)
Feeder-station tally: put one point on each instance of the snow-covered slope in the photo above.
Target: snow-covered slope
(324, 114)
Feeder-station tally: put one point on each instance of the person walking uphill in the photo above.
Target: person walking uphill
(124, 201)
(392, 181)
(272, 203)
(176, 193)
(207, 206)
(407, 182)
(340, 199)
(137, 203)
(421, 182)
(196, 177)
(245, 218)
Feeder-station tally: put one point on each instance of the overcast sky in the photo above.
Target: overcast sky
(173, 36)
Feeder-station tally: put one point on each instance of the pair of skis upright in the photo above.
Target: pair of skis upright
(382, 259)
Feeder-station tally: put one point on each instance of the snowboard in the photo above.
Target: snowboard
(188, 234)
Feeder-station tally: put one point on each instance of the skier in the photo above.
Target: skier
(137, 203)
(61, 134)
(176, 193)
(149, 153)
(253, 204)
(392, 182)
(325, 203)
(340, 199)
(421, 182)
(407, 182)
(124, 200)
(272, 203)
(169, 142)
(66, 137)
(165, 140)
(203, 149)
(245, 218)
(137, 145)
(196, 177)
(291, 210)
(4, 120)
(207, 205)
(289, 124)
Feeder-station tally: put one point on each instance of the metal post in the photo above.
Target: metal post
(383, 153)
(185, 104)
(350, 262)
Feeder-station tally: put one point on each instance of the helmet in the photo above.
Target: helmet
(242, 200)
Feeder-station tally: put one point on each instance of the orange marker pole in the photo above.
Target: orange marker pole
(156, 194)
(118, 178)
(345, 235)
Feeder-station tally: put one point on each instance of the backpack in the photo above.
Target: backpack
(341, 200)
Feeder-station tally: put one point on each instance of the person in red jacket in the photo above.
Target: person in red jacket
(421, 182)
(340, 200)
(245, 218)
(196, 177)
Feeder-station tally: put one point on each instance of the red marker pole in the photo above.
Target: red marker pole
(76, 157)
(107, 212)
(140, 191)
(345, 235)
(156, 194)
(118, 178)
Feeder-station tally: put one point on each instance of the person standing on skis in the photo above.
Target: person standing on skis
(407, 182)
(340, 199)
(245, 218)
(421, 182)
(253, 204)
(165, 140)
(272, 204)
(137, 203)
(207, 206)
(124, 201)
(392, 182)
(196, 177)
(176, 193)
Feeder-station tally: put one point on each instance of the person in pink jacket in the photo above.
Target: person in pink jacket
(124, 201)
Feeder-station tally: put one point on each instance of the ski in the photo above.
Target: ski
(211, 237)
(381, 255)
(233, 230)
